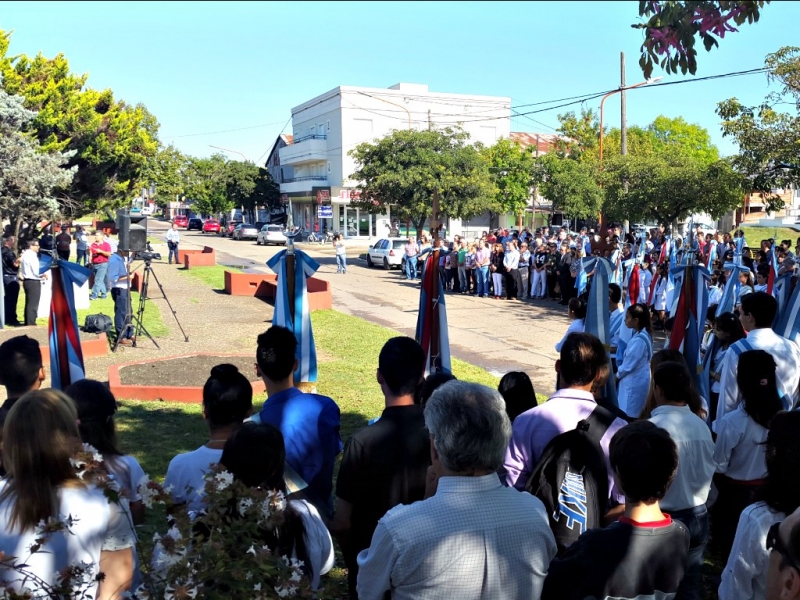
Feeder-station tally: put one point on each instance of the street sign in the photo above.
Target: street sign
(325, 212)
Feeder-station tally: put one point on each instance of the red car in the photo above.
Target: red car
(231, 226)
(211, 226)
(181, 221)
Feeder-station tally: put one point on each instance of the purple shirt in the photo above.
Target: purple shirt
(534, 429)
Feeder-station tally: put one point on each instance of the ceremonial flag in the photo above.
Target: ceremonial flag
(432, 333)
(773, 270)
(712, 256)
(598, 317)
(732, 286)
(304, 267)
(690, 319)
(633, 287)
(66, 355)
(582, 279)
(782, 292)
(788, 324)
(665, 253)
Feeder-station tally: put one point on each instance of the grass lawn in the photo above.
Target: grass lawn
(754, 235)
(211, 276)
(152, 320)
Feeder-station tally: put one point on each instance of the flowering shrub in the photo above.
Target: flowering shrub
(220, 552)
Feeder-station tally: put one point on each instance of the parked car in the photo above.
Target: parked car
(181, 221)
(271, 234)
(211, 226)
(194, 223)
(387, 252)
(245, 231)
(229, 227)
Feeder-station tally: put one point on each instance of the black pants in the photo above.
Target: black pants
(513, 284)
(120, 296)
(63, 254)
(11, 290)
(33, 291)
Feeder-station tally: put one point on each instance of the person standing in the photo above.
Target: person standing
(100, 251)
(633, 375)
(524, 270)
(63, 241)
(482, 260)
(47, 243)
(81, 245)
(341, 254)
(31, 281)
(120, 292)
(411, 252)
(173, 239)
(463, 279)
(10, 280)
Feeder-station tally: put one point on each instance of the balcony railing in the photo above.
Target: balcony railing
(316, 136)
(307, 178)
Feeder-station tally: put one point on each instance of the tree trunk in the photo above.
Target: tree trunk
(419, 224)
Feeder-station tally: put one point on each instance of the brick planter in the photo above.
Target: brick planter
(206, 257)
(94, 348)
(184, 394)
(264, 285)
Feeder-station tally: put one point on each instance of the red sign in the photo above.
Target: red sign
(323, 195)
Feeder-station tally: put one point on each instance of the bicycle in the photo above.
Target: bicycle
(313, 238)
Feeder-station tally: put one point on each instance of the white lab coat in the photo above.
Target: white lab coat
(787, 360)
(660, 294)
(645, 278)
(576, 326)
(634, 374)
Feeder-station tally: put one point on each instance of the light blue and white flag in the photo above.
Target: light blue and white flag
(598, 318)
(732, 286)
(788, 324)
(582, 279)
(304, 267)
(782, 292)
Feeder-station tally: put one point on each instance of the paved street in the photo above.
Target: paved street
(497, 335)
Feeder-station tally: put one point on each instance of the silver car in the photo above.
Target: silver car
(245, 231)
(387, 253)
(271, 234)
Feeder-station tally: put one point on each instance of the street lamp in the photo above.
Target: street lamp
(392, 103)
(231, 151)
(621, 89)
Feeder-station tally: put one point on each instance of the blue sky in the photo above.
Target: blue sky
(205, 68)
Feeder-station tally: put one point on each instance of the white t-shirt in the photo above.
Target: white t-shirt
(186, 474)
(98, 525)
(127, 472)
(739, 450)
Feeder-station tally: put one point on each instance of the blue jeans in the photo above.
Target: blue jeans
(411, 267)
(483, 280)
(173, 251)
(696, 521)
(120, 296)
(99, 288)
(341, 263)
(81, 260)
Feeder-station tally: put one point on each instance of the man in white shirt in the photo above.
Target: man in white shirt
(757, 313)
(173, 239)
(686, 497)
(473, 537)
(120, 292)
(32, 281)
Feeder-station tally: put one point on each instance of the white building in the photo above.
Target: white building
(327, 127)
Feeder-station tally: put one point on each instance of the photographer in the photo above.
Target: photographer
(120, 292)
(173, 239)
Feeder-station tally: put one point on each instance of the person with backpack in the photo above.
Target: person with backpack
(540, 455)
(644, 553)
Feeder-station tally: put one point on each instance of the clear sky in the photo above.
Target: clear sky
(228, 73)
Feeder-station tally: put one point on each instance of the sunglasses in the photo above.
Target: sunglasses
(774, 542)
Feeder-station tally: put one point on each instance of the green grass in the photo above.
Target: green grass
(152, 320)
(211, 276)
(754, 235)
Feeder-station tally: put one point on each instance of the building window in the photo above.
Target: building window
(329, 166)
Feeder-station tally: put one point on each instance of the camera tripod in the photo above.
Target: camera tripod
(134, 323)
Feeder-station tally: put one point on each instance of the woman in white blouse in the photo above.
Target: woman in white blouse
(633, 375)
(41, 435)
(745, 574)
(739, 450)
(577, 315)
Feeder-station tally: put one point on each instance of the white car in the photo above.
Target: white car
(387, 253)
(271, 234)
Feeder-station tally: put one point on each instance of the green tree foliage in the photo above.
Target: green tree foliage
(404, 169)
(768, 138)
(672, 27)
(580, 134)
(571, 185)
(511, 169)
(165, 171)
(205, 183)
(112, 140)
(29, 176)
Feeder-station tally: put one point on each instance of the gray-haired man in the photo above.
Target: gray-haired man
(474, 538)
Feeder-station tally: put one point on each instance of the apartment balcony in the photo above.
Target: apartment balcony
(303, 184)
(308, 149)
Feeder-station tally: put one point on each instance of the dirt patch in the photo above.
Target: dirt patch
(37, 333)
(191, 371)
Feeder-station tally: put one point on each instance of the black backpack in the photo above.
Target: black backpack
(97, 323)
(571, 478)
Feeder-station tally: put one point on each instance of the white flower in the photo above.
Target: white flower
(296, 577)
(285, 592)
(257, 587)
(244, 505)
(181, 591)
(97, 457)
(223, 480)
(274, 503)
(251, 550)
(147, 493)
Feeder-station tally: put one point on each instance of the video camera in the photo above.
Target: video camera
(146, 255)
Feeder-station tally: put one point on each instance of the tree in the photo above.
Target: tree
(671, 29)
(510, 167)
(165, 171)
(579, 134)
(112, 140)
(571, 185)
(406, 168)
(667, 187)
(206, 185)
(29, 176)
(769, 140)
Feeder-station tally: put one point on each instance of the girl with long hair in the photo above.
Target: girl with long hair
(40, 438)
(727, 330)
(633, 373)
(693, 399)
(517, 390)
(739, 450)
(745, 575)
(255, 455)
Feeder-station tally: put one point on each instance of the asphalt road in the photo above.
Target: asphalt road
(498, 335)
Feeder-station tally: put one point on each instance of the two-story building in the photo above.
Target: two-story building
(324, 129)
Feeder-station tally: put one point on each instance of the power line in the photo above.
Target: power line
(175, 137)
(273, 143)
